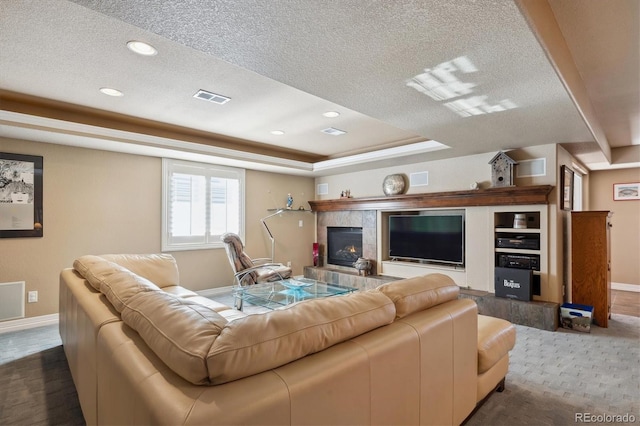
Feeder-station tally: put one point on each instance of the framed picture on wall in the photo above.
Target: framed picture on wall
(566, 184)
(20, 195)
(626, 191)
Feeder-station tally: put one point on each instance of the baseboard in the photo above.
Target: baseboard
(26, 323)
(215, 291)
(625, 287)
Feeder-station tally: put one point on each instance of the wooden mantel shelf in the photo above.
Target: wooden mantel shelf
(514, 195)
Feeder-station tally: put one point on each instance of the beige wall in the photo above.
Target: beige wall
(625, 233)
(98, 202)
(293, 243)
(444, 175)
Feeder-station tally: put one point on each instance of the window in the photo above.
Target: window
(577, 192)
(200, 202)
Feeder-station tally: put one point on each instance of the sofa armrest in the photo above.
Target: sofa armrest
(449, 359)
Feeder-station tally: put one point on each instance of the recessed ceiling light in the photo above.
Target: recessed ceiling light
(277, 132)
(111, 92)
(141, 48)
(331, 114)
(333, 131)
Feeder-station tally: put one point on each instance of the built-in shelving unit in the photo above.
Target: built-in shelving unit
(489, 214)
(520, 248)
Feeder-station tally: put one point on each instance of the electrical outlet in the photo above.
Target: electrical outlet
(33, 297)
(300, 223)
(289, 264)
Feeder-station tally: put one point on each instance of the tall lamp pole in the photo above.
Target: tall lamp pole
(273, 241)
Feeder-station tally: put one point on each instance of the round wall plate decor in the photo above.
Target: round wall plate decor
(393, 184)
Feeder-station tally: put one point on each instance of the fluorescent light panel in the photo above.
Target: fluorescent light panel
(440, 84)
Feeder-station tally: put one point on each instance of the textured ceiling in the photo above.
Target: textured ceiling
(284, 63)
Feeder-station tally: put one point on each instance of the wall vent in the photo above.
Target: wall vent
(211, 97)
(333, 131)
(419, 179)
(322, 189)
(537, 167)
(11, 300)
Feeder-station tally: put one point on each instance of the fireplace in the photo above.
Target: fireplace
(344, 245)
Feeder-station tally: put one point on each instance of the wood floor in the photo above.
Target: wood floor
(625, 303)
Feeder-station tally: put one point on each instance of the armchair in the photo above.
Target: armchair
(247, 271)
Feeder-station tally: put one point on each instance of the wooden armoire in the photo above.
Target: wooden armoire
(591, 262)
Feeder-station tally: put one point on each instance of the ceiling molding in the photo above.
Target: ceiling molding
(65, 112)
(399, 151)
(48, 130)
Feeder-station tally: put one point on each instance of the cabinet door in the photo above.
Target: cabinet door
(590, 263)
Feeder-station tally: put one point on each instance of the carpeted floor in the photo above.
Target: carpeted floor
(553, 377)
(556, 376)
(36, 387)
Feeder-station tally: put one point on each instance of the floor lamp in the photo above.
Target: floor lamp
(273, 240)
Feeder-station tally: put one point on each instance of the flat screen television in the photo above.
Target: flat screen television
(432, 238)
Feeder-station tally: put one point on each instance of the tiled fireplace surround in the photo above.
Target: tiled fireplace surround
(365, 219)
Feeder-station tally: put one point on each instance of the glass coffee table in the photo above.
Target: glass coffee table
(276, 294)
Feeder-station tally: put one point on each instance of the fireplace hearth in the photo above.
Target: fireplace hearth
(344, 245)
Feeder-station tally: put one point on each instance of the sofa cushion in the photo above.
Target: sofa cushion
(179, 291)
(179, 331)
(93, 269)
(496, 337)
(123, 285)
(117, 283)
(160, 269)
(261, 342)
(419, 293)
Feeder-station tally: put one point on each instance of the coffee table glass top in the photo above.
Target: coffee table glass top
(276, 294)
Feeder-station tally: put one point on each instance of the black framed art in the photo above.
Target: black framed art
(566, 200)
(20, 195)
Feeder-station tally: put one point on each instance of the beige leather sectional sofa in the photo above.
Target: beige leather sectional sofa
(144, 350)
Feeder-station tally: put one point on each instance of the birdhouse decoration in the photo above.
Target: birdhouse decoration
(502, 170)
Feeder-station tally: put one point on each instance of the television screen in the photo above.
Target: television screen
(431, 238)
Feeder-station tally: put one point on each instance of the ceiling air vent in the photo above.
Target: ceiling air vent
(211, 97)
(333, 131)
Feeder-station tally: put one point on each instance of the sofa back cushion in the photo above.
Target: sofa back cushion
(179, 331)
(261, 342)
(419, 293)
(94, 269)
(160, 269)
(117, 283)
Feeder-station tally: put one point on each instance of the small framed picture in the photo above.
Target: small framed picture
(626, 191)
(566, 201)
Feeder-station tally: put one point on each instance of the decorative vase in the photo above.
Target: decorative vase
(393, 184)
